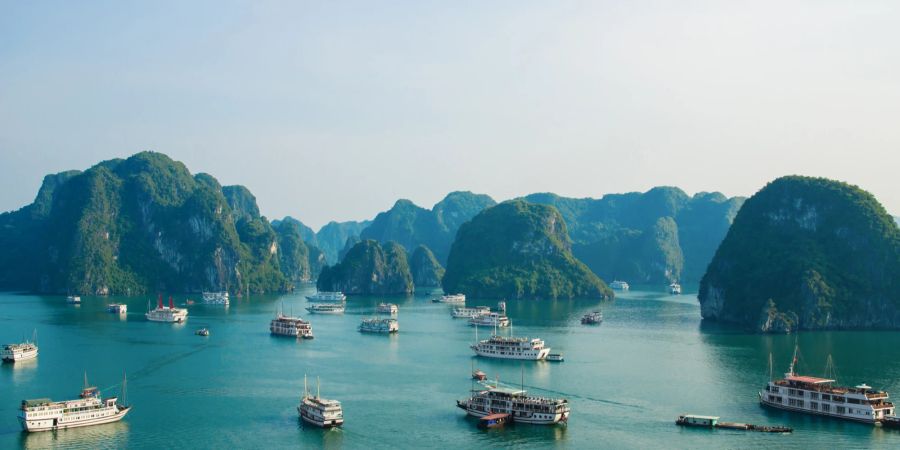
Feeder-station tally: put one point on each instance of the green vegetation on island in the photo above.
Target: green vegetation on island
(519, 249)
(806, 253)
(426, 270)
(369, 268)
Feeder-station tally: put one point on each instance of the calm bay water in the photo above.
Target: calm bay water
(626, 379)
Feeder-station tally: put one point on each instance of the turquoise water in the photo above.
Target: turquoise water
(626, 379)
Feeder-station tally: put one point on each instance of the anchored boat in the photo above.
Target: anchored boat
(326, 308)
(619, 285)
(468, 313)
(376, 325)
(319, 411)
(21, 351)
(592, 318)
(450, 298)
(490, 319)
(387, 308)
(216, 298)
(166, 314)
(89, 409)
(517, 404)
(294, 327)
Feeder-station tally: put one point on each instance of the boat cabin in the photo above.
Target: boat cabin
(494, 420)
(693, 420)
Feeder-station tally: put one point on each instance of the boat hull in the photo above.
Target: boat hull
(84, 423)
(332, 423)
(765, 403)
(24, 356)
(519, 418)
(535, 355)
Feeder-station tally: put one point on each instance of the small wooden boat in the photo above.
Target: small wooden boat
(203, 332)
(494, 420)
(479, 375)
(693, 420)
(555, 357)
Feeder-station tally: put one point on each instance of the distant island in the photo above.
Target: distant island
(517, 250)
(368, 268)
(806, 254)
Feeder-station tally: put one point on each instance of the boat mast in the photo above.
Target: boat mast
(317, 388)
(794, 360)
(124, 389)
(771, 369)
(305, 389)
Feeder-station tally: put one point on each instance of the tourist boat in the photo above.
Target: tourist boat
(820, 396)
(73, 300)
(555, 357)
(326, 308)
(490, 319)
(387, 308)
(322, 296)
(89, 409)
(166, 313)
(450, 298)
(511, 348)
(203, 332)
(319, 411)
(117, 308)
(520, 406)
(496, 420)
(295, 327)
(467, 313)
(619, 285)
(479, 375)
(675, 288)
(592, 318)
(216, 298)
(21, 351)
(376, 325)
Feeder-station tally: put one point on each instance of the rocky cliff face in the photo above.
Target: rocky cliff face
(369, 268)
(426, 270)
(133, 226)
(806, 253)
(332, 237)
(658, 236)
(518, 250)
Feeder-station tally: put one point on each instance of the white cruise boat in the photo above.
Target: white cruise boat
(520, 406)
(73, 300)
(467, 313)
(387, 308)
(166, 313)
(295, 327)
(819, 396)
(21, 351)
(675, 288)
(490, 319)
(376, 325)
(450, 298)
(619, 285)
(216, 298)
(322, 296)
(511, 348)
(89, 409)
(117, 308)
(326, 308)
(319, 411)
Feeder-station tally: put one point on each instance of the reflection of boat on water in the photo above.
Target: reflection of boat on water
(89, 409)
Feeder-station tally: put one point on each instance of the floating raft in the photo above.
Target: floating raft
(693, 420)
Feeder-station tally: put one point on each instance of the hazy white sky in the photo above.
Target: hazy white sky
(333, 110)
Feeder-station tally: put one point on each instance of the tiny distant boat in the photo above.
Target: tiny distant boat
(555, 357)
(675, 288)
(326, 308)
(73, 300)
(592, 318)
(169, 314)
(479, 375)
(117, 308)
(216, 298)
(319, 411)
(21, 351)
(387, 308)
(468, 313)
(203, 332)
(495, 420)
(376, 325)
(89, 409)
(322, 296)
(490, 319)
(450, 298)
(295, 327)
(520, 406)
(619, 285)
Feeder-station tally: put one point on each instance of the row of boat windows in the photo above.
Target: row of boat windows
(825, 407)
(815, 396)
(517, 406)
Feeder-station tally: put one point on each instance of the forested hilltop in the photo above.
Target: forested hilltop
(806, 253)
(144, 224)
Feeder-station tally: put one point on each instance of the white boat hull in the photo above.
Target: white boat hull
(20, 356)
(764, 402)
(534, 419)
(47, 424)
(319, 422)
(533, 355)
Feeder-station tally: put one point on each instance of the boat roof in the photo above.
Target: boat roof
(809, 380)
(37, 402)
(698, 416)
(508, 391)
(495, 416)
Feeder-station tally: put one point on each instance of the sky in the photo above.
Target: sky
(333, 110)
